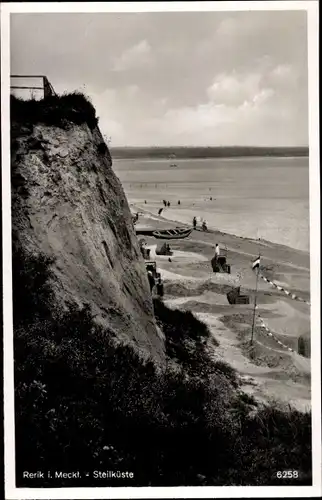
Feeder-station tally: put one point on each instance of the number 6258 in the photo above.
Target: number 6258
(287, 474)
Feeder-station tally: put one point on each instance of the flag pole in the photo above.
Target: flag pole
(255, 302)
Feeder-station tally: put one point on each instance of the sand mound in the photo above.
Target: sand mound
(179, 285)
(179, 278)
(178, 256)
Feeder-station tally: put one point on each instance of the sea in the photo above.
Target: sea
(265, 197)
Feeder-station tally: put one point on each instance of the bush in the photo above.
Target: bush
(102, 148)
(227, 370)
(186, 337)
(86, 402)
(179, 325)
(186, 343)
(304, 346)
(77, 391)
(275, 439)
(54, 110)
(32, 293)
(248, 399)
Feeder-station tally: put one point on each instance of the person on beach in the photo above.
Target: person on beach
(214, 260)
(164, 203)
(194, 222)
(160, 288)
(168, 204)
(160, 210)
(178, 202)
(151, 280)
(204, 226)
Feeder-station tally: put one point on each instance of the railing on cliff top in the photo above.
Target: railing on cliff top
(46, 87)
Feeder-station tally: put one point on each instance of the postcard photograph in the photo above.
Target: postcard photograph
(161, 190)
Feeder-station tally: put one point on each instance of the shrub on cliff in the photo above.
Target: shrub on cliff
(303, 346)
(86, 402)
(185, 340)
(54, 110)
(179, 325)
(32, 298)
(185, 337)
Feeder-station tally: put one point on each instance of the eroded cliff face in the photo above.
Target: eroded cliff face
(68, 203)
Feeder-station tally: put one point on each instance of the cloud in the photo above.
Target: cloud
(135, 57)
(241, 109)
(263, 96)
(234, 89)
(227, 28)
(132, 90)
(283, 71)
(222, 124)
(284, 76)
(163, 101)
(186, 78)
(238, 107)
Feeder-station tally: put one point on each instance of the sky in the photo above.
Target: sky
(181, 78)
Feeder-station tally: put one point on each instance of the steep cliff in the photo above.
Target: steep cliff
(87, 403)
(67, 203)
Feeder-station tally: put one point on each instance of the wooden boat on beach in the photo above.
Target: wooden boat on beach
(172, 234)
(166, 234)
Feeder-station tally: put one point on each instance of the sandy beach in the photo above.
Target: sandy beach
(275, 371)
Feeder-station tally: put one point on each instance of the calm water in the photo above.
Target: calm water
(252, 197)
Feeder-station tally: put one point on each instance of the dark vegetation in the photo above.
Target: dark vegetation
(86, 402)
(102, 148)
(186, 337)
(304, 348)
(55, 110)
(207, 152)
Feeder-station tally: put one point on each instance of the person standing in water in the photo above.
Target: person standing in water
(194, 222)
(217, 251)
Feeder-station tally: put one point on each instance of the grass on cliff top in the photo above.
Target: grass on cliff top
(86, 402)
(55, 110)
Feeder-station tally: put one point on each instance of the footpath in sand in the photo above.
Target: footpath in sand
(273, 370)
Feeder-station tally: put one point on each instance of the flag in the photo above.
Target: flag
(256, 263)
